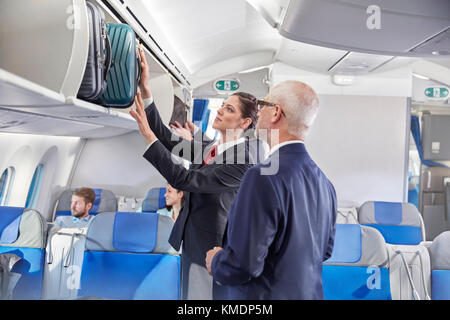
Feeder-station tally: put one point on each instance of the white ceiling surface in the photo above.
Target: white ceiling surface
(215, 38)
(208, 33)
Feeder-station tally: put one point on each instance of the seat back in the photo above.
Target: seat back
(22, 232)
(358, 268)
(154, 200)
(399, 223)
(63, 262)
(105, 201)
(409, 272)
(440, 265)
(348, 215)
(127, 256)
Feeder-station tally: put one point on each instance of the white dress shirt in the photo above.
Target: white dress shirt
(278, 146)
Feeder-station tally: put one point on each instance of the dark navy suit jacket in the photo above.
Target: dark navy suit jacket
(280, 229)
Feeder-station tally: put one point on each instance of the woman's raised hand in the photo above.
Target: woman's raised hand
(144, 85)
(191, 126)
(183, 132)
(141, 119)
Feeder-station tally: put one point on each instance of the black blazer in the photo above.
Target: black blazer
(209, 190)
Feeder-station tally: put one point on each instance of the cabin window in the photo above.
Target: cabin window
(6, 181)
(35, 186)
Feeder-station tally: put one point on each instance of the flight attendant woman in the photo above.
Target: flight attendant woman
(210, 184)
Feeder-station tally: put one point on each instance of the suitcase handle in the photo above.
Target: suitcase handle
(139, 70)
(109, 61)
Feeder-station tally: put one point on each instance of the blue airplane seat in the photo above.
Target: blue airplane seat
(127, 256)
(440, 267)
(105, 201)
(358, 268)
(154, 200)
(22, 232)
(399, 223)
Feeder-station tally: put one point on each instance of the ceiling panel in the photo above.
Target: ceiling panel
(359, 63)
(307, 56)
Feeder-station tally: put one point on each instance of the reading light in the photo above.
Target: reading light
(343, 80)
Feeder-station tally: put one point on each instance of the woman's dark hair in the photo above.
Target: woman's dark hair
(249, 108)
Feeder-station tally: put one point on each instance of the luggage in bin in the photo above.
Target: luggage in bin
(99, 56)
(124, 74)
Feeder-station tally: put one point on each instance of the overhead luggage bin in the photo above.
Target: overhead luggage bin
(43, 56)
(17, 91)
(45, 42)
(26, 102)
(380, 27)
(41, 80)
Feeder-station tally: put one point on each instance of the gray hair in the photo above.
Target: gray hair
(299, 103)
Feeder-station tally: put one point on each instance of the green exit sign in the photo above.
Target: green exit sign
(226, 85)
(438, 93)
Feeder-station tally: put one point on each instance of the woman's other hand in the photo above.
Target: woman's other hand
(141, 119)
(191, 126)
(183, 132)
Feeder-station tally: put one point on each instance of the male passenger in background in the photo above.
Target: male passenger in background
(280, 226)
(82, 201)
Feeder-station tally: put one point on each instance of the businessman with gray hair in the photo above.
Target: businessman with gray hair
(281, 224)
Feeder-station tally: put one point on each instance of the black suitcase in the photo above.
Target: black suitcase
(99, 57)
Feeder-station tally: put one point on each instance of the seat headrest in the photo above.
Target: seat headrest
(130, 232)
(21, 227)
(440, 252)
(9, 224)
(399, 223)
(357, 245)
(154, 200)
(389, 213)
(105, 201)
(135, 232)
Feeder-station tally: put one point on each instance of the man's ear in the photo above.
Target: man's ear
(276, 115)
(89, 206)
